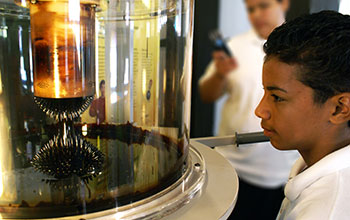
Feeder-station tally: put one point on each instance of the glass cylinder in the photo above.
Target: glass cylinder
(63, 39)
(131, 143)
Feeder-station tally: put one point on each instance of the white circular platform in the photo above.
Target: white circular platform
(220, 194)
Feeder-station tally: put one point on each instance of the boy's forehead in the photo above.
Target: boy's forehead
(278, 72)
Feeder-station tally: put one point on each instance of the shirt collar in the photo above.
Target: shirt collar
(255, 38)
(298, 180)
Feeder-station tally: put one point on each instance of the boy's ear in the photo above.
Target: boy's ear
(340, 108)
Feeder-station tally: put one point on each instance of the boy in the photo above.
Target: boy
(261, 181)
(306, 106)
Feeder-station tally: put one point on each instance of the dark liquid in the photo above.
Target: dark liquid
(118, 184)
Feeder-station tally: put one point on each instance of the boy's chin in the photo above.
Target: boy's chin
(278, 145)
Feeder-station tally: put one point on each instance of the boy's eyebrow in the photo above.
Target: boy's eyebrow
(271, 88)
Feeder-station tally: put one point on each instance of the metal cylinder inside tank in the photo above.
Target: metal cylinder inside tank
(63, 42)
(134, 57)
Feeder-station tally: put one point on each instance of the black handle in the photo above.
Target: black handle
(248, 138)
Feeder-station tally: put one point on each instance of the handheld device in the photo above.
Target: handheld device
(219, 43)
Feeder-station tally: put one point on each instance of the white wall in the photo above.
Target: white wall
(232, 21)
(232, 17)
(344, 7)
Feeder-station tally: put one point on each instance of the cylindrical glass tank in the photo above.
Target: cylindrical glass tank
(94, 103)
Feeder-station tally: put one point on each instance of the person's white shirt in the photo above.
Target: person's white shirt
(259, 164)
(319, 192)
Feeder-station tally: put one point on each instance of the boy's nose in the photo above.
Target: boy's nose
(261, 111)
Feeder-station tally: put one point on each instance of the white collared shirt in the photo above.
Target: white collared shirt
(321, 191)
(259, 164)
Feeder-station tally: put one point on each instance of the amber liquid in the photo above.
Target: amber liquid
(63, 39)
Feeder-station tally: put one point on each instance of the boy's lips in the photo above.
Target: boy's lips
(268, 132)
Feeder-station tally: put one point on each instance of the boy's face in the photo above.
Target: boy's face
(288, 113)
(103, 86)
(266, 15)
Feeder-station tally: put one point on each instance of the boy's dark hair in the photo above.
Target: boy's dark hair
(320, 45)
(102, 82)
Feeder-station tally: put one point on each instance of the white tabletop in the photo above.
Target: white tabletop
(219, 197)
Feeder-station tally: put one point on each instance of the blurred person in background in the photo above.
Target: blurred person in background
(98, 106)
(262, 170)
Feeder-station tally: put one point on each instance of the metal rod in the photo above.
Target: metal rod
(237, 139)
(218, 141)
(248, 138)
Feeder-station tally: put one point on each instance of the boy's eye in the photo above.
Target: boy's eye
(250, 9)
(264, 5)
(276, 98)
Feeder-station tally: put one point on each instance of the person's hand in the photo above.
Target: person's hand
(224, 64)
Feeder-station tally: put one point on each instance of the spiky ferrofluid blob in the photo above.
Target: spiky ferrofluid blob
(63, 108)
(63, 159)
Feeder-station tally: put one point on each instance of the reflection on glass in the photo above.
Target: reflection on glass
(97, 108)
(63, 35)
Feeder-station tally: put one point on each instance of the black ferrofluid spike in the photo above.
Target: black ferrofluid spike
(62, 159)
(67, 154)
(63, 108)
